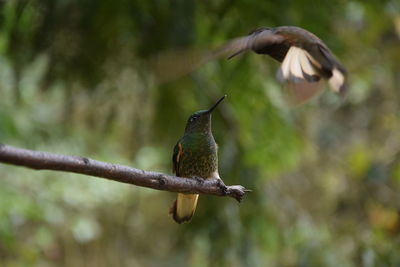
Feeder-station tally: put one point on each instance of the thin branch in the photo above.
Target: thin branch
(39, 160)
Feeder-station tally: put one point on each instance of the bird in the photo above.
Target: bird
(305, 58)
(195, 156)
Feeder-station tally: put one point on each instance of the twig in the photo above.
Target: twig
(39, 160)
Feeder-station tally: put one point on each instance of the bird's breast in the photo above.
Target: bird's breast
(199, 158)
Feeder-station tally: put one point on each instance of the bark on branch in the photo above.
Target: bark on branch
(39, 160)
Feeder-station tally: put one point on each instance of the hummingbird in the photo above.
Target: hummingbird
(195, 156)
(305, 58)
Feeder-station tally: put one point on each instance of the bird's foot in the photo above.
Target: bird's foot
(199, 179)
(222, 186)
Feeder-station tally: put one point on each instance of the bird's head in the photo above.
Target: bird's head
(200, 121)
(262, 29)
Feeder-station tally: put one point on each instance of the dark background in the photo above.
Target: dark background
(103, 79)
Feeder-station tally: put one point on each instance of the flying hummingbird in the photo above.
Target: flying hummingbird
(195, 155)
(305, 58)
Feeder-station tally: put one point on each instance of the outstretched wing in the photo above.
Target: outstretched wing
(338, 73)
(176, 157)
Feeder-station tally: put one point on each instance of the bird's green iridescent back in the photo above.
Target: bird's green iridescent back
(195, 155)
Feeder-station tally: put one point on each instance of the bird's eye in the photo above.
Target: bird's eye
(192, 119)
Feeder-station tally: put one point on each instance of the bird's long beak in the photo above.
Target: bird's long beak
(216, 104)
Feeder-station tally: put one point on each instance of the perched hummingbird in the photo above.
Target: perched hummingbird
(195, 155)
(305, 58)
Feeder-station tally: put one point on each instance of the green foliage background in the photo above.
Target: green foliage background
(80, 78)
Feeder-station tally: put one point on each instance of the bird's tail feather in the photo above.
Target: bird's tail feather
(300, 68)
(184, 207)
(337, 81)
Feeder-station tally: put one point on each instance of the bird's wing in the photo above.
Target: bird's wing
(337, 79)
(176, 157)
(300, 92)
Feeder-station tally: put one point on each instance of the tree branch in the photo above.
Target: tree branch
(39, 160)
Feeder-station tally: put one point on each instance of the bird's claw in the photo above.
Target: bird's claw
(222, 187)
(199, 179)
